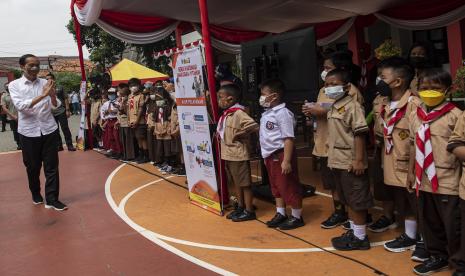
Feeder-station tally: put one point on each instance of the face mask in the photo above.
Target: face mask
(263, 103)
(173, 95)
(160, 103)
(378, 79)
(152, 97)
(323, 75)
(418, 62)
(134, 89)
(384, 89)
(111, 97)
(335, 92)
(432, 98)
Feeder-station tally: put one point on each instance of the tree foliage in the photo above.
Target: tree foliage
(68, 80)
(106, 50)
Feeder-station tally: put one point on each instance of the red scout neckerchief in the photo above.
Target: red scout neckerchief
(424, 159)
(396, 116)
(226, 113)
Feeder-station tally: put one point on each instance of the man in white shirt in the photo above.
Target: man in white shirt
(34, 99)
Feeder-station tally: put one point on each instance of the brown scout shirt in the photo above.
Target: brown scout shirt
(458, 139)
(237, 124)
(447, 165)
(174, 123)
(135, 102)
(122, 115)
(321, 133)
(346, 119)
(162, 131)
(95, 112)
(396, 164)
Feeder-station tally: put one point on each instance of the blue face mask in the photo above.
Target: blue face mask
(112, 97)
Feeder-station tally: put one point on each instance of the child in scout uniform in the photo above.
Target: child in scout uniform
(95, 120)
(387, 220)
(108, 113)
(277, 148)
(234, 129)
(319, 113)
(125, 134)
(393, 129)
(162, 120)
(435, 172)
(151, 105)
(176, 146)
(136, 112)
(456, 145)
(347, 159)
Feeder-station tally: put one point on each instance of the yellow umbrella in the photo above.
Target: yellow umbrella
(127, 69)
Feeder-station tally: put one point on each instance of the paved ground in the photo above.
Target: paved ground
(8, 144)
(88, 239)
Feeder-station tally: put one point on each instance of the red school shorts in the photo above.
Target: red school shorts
(285, 186)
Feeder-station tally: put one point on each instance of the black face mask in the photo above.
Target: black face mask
(418, 62)
(384, 89)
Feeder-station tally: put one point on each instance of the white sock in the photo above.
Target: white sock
(351, 222)
(360, 231)
(411, 228)
(281, 210)
(296, 213)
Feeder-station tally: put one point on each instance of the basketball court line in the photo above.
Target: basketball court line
(159, 238)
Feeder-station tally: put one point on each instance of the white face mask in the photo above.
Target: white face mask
(334, 92)
(152, 97)
(262, 102)
(134, 89)
(378, 79)
(323, 75)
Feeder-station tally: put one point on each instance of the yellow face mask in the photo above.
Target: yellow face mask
(432, 98)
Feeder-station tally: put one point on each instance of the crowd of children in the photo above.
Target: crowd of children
(139, 123)
(420, 147)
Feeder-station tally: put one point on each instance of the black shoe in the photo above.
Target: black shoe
(276, 220)
(57, 205)
(382, 224)
(115, 156)
(244, 216)
(37, 199)
(348, 241)
(143, 160)
(420, 254)
(400, 244)
(238, 210)
(19, 148)
(369, 221)
(291, 223)
(334, 220)
(458, 273)
(308, 190)
(433, 264)
(60, 148)
(71, 148)
(181, 172)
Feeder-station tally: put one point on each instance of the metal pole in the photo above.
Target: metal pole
(209, 57)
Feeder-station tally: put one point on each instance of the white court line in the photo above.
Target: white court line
(151, 235)
(155, 237)
(9, 152)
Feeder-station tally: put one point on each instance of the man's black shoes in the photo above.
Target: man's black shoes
(57, 205)
(37, 199)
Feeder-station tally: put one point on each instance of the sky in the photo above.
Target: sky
(37, 27)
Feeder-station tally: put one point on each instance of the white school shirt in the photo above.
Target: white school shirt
(276, 124)
(105, 107)
(38, 120)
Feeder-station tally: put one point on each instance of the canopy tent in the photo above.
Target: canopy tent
(234, 22)
(127, 69)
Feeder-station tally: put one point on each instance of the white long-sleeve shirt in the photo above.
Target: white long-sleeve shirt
(38, 120)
